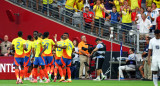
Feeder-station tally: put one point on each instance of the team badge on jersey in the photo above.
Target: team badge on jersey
(157, 46)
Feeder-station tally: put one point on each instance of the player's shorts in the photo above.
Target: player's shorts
(57, 62)
(27, 61)
(155, 65)
(48, 60)
(39, 61)
(99, 63)
(65, 62)
(18, 61)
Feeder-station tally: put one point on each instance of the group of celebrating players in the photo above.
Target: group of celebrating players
(41, 50)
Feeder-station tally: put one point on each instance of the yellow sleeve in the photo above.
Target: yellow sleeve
(13, 42)
(102, 6)
(52, 42)
(94, 6)
(32, 44)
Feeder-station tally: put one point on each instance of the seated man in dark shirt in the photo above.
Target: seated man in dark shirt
(146, 74)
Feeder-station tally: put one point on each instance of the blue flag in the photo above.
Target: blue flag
(121, 50)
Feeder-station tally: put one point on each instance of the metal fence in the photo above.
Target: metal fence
(74, 18)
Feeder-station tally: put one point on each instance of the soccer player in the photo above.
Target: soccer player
(47, 54)
(59, 52)
(39, 61)
(66, 57)
(19, 45)
(27, 57)
(154, 47)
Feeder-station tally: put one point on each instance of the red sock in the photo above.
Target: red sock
(25, 72)
(55, 71)
(21, 74)
(52, 68)
(48, 69)
(32, 72)
(35, 73)
(17, 73)
(45, 72)
(41, 74)
(60, 71)
(64, 72)
(38, 74)
(69, 72)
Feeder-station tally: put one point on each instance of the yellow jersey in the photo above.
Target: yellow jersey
(59, 51)
(70, 4)
(149, 3)
(98, 12)
(18, 46)
(45, 1)
(49, 44)
(134, 4)
(29, 48)
(157, 3)
(68, 51)
(37, 45)
(80, 5)
(126, 18)
(117, 4)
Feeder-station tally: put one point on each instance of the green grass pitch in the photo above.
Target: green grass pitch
(81, 83)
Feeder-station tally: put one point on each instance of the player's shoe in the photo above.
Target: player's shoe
(34, 81)
(50, 77)
(122, 78)
(69, 80)
(55, 78)
(103, 77)
(62, 80)
(20, 81)
(47, 81)
(41, 81)
(17, 82)
(97, 79)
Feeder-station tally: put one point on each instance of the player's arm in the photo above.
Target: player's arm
(24, 47)
(45, 47)
(62, 47)
(96, 49)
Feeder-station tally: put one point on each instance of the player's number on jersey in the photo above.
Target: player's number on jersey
(70, 46)
(18, 45)
(47, 45)
(59, 49)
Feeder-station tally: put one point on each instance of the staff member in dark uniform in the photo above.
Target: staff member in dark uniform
(100, 56)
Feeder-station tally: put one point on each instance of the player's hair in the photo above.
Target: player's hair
(20, 33)
(132, 49)
(39, 34)
(36, 32)
(67, 34)
(29, 37)
(98, 39)
(61, 36)
(45, 34)
(157, 31)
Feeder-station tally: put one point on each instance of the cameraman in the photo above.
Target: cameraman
(99, 52)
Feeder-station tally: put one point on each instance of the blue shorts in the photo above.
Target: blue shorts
(57, 62)
(18, 61)
(27, 61)
(65, 62)
(45, 7)
(48, 60)
(39, 61)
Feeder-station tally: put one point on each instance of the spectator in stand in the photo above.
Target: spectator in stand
(155, 14)
(84, 57)
(114, 18)
(158, 21)
(149, 15)
(5, 45)
(117, 4)
(139, 17)
(134, 14)
(45, 7)
(134, 4)
(148, 3)
(79, 5)
(144, 25)
(88, 18)
(69, 10)
(126, 19)
(60, 3)
(99, 16)
(147, 73)
(143, 4)
(157, 3)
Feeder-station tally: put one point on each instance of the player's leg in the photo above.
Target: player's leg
(63, 62)
(121, 68)
(68, 65)
(42, 63)
(154, 68)
(141, 71)
(98, 71)
(26, 66)
(34, 71)
(22, 70)
(58, 65)
(16, 64)
(50, 67)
